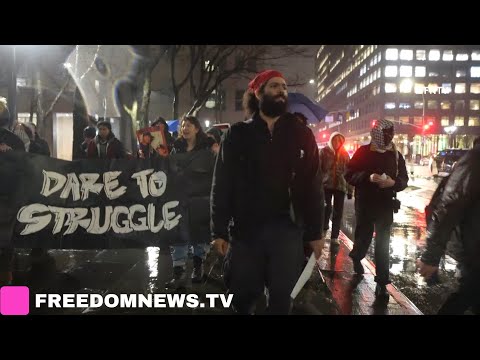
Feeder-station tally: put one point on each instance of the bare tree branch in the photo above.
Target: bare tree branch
(60, 93)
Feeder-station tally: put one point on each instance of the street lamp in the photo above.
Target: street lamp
(312, 81)
(207, 124)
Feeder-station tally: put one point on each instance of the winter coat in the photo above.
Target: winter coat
(459, 205)
(334, 166)
(366, 162)
(115, 148)
(258, 172)
(196, 169)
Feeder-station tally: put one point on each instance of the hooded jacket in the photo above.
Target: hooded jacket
(334, 166)
(114, 148)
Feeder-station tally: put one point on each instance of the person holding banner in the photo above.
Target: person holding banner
(196, 161)
(145, 149)
(267, 198)
(168, 136)
(8, 142)
(105, 145)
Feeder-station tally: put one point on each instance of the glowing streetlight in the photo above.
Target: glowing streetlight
(312, 81)
(207, 123)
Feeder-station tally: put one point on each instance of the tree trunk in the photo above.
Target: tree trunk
(80, 122)
(39, 96)
(142, 115)
(33, 105)
(175, 106)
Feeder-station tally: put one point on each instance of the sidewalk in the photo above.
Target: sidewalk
(334, 290)
(354, 294)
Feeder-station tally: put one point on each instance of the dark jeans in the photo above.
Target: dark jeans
(272, 257)
(466, 296)
(370, 217)
(338, 201)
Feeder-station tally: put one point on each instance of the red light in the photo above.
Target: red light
(426, 127)
(430, 123)
(374, 122)
(324, 136)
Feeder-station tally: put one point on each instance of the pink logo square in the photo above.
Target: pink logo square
(14, 300)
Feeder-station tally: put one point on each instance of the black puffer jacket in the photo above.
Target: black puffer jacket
(196, 169)
(459, 205)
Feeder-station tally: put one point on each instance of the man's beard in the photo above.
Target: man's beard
(271, 107)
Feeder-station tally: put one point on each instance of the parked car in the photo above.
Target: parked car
(446, 159)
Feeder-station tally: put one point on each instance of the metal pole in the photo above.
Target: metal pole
(12, 88)
(423, 124)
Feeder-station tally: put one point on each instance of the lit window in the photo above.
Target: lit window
(476, 55)
(475, 71)
(390, 105)
(420, 71)
(475, 88)
(391, 71)
(459, 121)
(474, 104)
(446, 88)
(418, 105)
(404, 119)
(406, 86)
(447, 55)
(473, 121)
(445, 105)
(97, 86)
(379, 73)
(432, 89)
(391, 54)
(460, 105)
(21, 82)
(434, 55)
(419, 88)
(418, 120)
(460, 73)
(445, 121)
(462, 57)
(406, 54)
(421, 55)
(432, 104)
(460, 88)
(25, 118)
(433, 74)
(390, 88)
(404, 106)
(405, 71)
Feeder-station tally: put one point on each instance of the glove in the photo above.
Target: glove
(349, 196)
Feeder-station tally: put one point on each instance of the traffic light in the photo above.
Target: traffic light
(429, 125)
